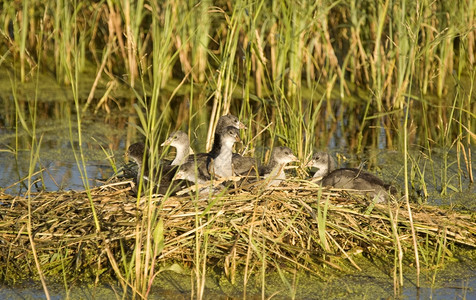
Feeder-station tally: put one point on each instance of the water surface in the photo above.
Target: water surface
(445, 180)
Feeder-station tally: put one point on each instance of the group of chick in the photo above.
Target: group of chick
(222, 164)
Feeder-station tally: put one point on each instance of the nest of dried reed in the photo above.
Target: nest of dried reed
(297, 224)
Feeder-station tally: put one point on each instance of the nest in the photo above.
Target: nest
(298, 225)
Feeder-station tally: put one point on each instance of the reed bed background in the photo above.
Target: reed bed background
(309, 63)
(309, 74)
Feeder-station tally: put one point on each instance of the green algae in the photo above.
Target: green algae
(374, 281)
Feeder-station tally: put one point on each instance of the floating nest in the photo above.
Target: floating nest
(297, 224)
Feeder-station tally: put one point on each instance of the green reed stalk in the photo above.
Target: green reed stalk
(407, 68)
(447, 143)
(321, 221)
(254, 62)
(282, 50)
(65, 39)
(295, 37)
(377, 61)
(362, 127)
(398, 246)
(469, 120)
(440, 253)
(284, 280)
(264, 265)
(289, 125)
(405, 45)
(195, 37)
(201, 281)
(157, 247)
(427, 50)
(59, 50)
(427, 137)
(310, 123)
(63, 271)
(249, 249)
(407, 197)
(133, 16)
(202, 38)
(445, 56)
(463, 116)
(225, 81)
(376, 56)
(421, 176)
(34, 158)
(148, 232)
(72, 73)
(24, 31)
(356, 53)
(202, 240)
(197, 252)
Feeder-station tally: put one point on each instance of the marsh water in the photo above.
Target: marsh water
(105, 132)
(456, 281)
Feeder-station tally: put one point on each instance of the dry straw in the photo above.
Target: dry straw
(296, 225)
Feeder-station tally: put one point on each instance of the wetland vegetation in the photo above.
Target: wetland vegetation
(359, 78)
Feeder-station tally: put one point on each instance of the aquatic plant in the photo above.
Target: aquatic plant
(297, 226)
(387, 74)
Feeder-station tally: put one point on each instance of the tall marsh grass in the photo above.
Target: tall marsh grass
(300, 73)
(263, 60)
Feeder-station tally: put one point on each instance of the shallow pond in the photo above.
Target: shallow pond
(456, 281)
(60, 171)
(104, 138)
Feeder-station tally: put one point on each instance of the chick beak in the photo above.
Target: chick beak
(242, 126)
(166, 143)
(178, 175)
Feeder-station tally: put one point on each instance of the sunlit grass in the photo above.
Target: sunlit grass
(261, 59)
(298, 73)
